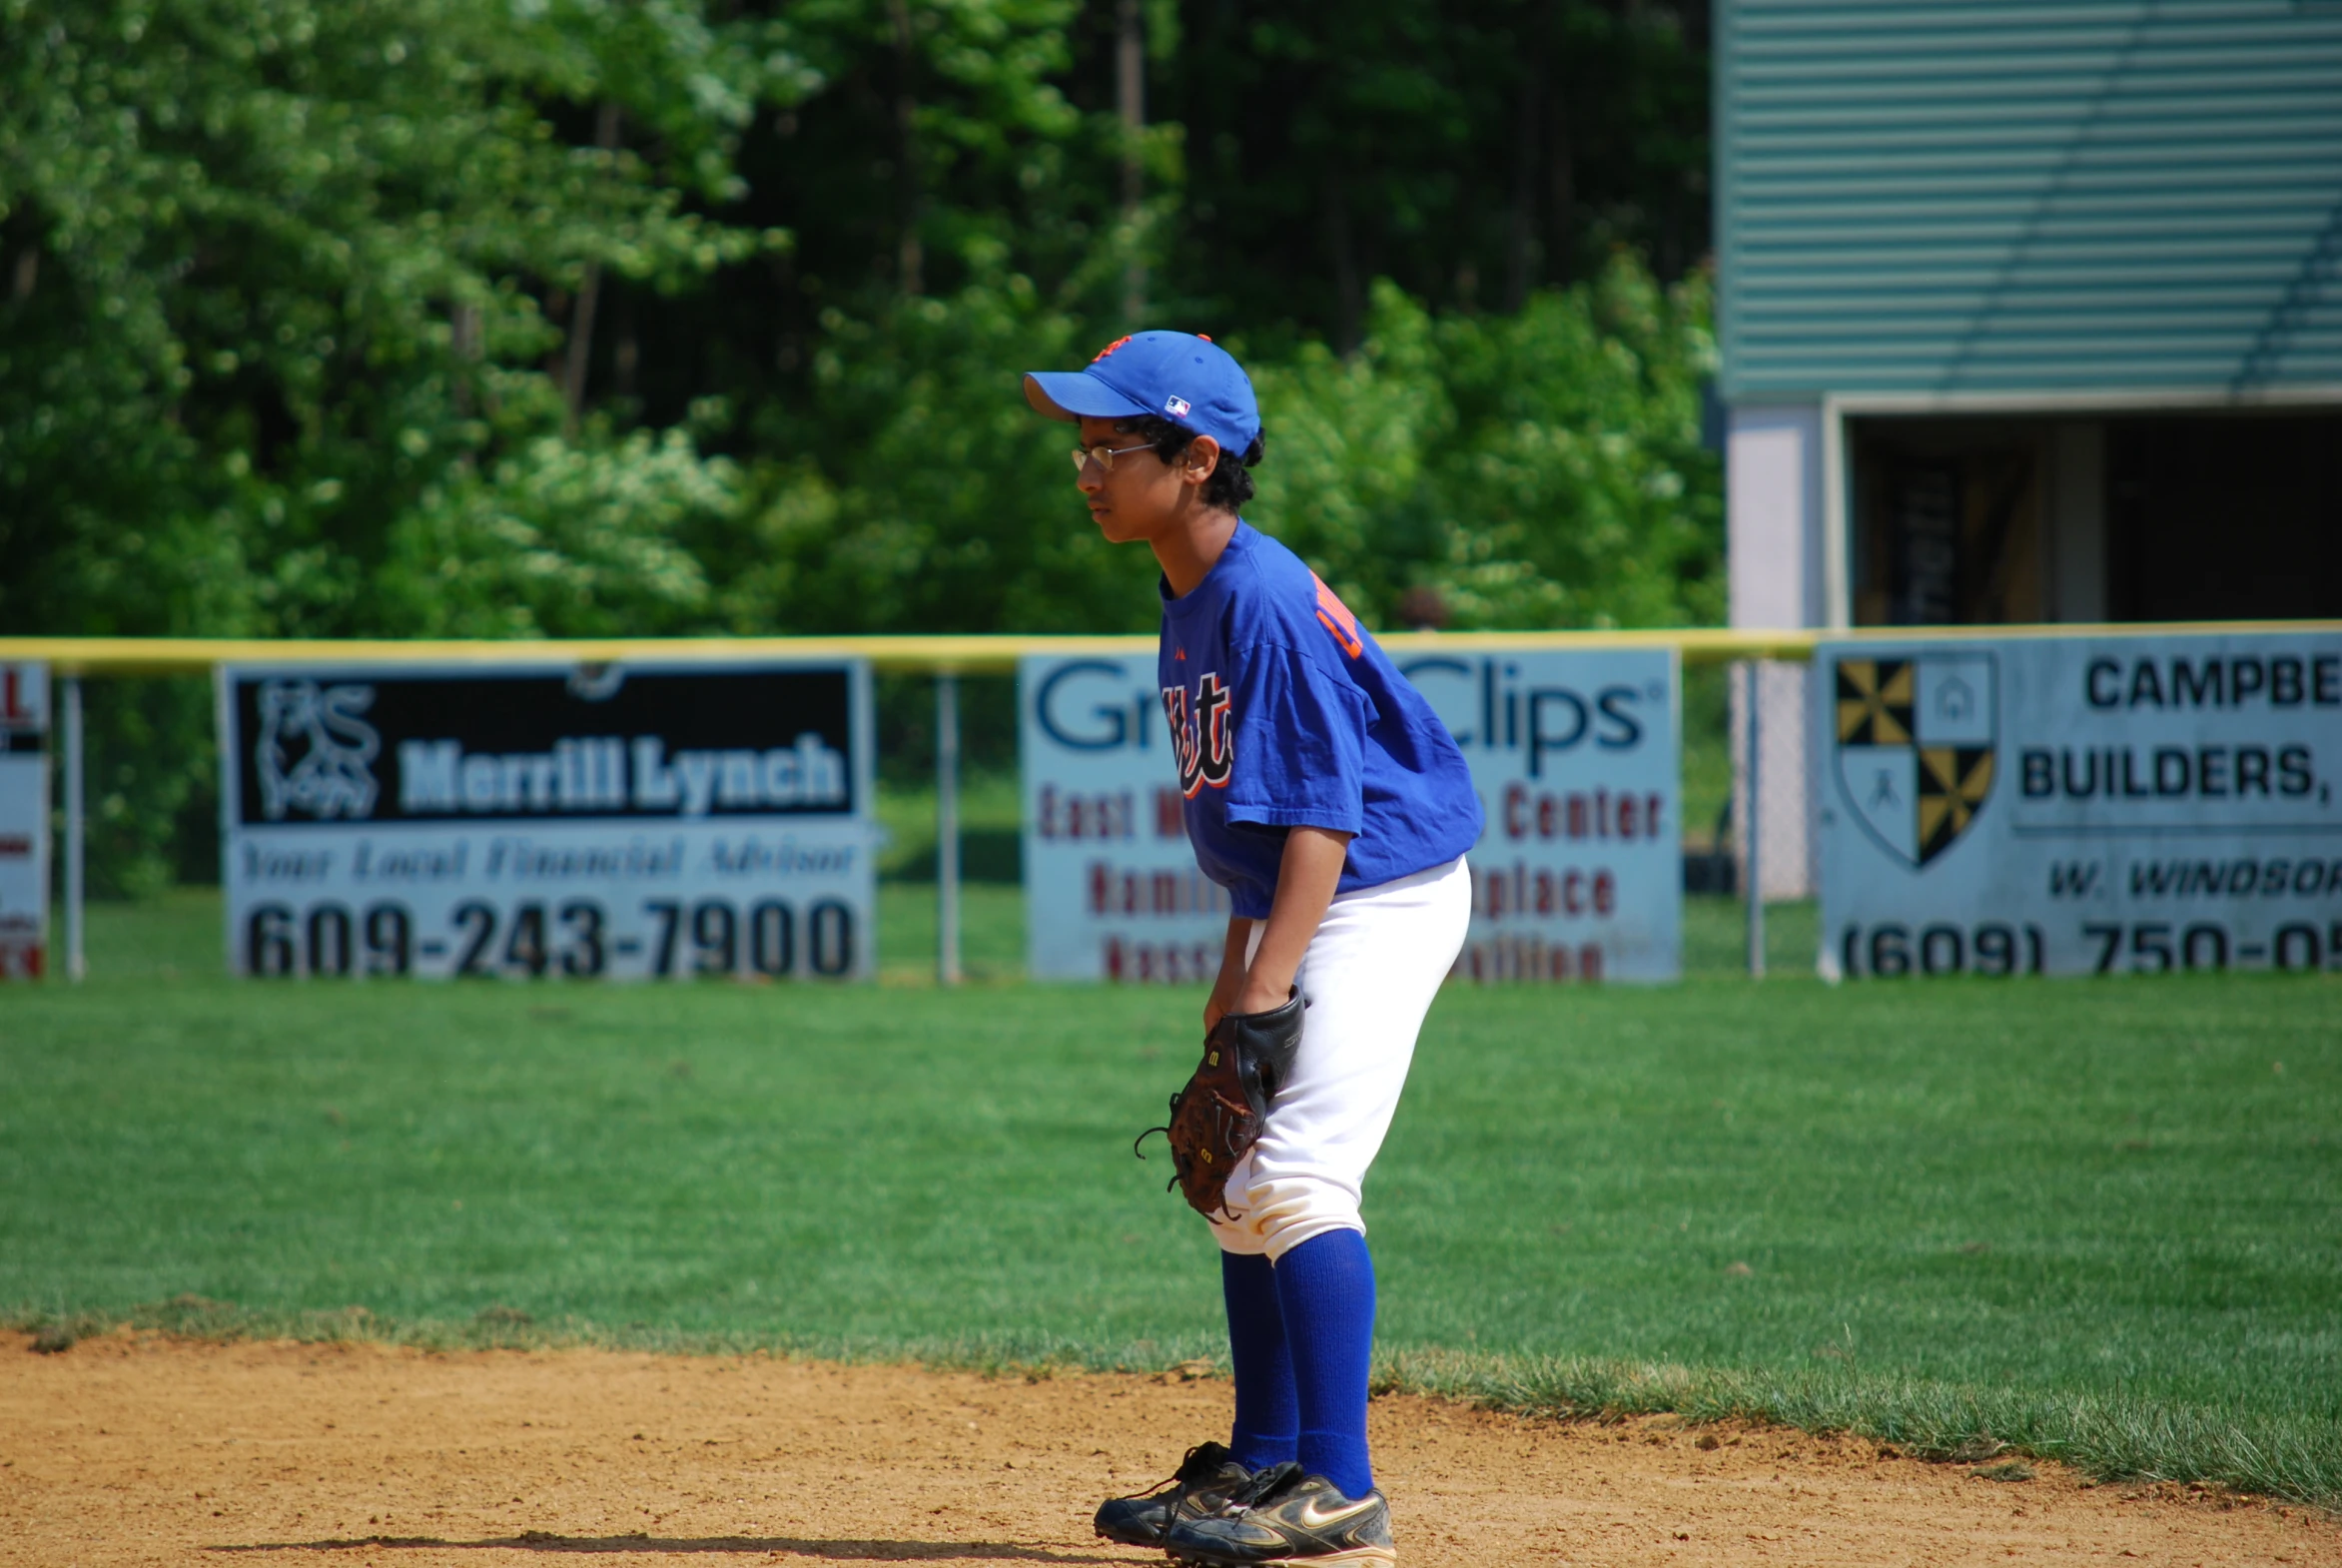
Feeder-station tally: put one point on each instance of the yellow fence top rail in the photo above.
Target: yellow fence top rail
(980, 655)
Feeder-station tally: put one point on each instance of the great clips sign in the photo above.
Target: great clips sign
(1111, 891)
(1576, 756)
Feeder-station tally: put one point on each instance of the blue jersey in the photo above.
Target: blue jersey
(1285, 713)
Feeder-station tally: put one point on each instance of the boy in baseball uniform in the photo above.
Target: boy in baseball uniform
(1326, 797)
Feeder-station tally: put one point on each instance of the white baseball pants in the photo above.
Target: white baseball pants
(1368, 976)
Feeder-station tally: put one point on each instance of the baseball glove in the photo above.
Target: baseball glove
(1217, 1119)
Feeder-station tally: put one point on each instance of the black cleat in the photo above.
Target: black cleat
(1205, 1480)
(1287, 1517)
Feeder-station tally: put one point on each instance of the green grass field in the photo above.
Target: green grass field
(2095, 1219)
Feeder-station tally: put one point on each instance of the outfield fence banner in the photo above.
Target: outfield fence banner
(613, 821)
(2097, 803)
(1577, 755)
(24, 819)
(1112, 892)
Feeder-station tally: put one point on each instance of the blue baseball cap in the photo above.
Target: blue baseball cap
(1190, 380)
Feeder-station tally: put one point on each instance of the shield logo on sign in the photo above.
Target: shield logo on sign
(1914, 741)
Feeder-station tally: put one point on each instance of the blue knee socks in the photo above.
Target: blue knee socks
(1267, 1415)
(1326, 1287)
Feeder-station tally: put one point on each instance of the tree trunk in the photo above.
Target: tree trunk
(1561, 171)
(1130, 100)
(1561, 198)
(626, 353)
(1349, 298)
(910, 254)
(605, 137)
(463, 342)
(1522, 243)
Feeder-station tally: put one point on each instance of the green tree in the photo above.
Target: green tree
(283, 279)
(1471, 155)
(1539, 470)
(546, 316)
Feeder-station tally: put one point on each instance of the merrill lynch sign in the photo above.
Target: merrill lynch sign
(319, 744)
(641, 822)
(605, 773)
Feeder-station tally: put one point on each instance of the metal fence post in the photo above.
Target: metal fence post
(1752, 830)
(75, 965)
(947, 829)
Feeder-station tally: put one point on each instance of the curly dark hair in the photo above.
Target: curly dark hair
(1229, 486)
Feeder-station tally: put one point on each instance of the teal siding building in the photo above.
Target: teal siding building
(2030, 311)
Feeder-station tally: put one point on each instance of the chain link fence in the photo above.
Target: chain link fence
(1724, 755)
(151, 823)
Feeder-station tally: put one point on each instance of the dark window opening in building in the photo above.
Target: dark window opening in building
(2224, 518)
(2198, 517)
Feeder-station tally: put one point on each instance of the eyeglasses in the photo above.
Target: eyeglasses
(1105, 456)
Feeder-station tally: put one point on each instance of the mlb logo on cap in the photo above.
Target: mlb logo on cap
(1176, 407)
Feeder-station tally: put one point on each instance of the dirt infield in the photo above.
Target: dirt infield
(141, 1449)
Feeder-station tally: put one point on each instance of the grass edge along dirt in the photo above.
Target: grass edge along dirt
(2105, 1438)
(2131, 1148)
